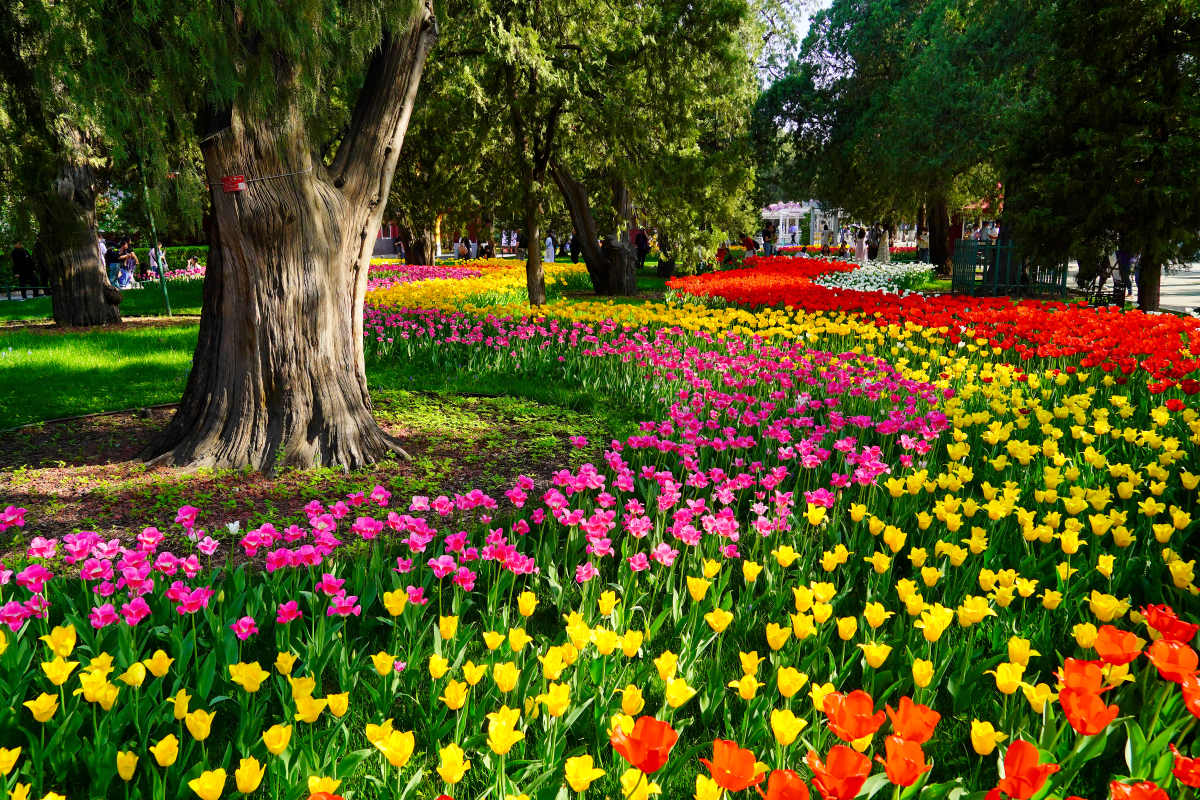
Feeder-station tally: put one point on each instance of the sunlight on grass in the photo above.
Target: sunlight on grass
(186, 297)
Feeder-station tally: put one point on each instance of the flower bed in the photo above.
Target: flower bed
(855, 553)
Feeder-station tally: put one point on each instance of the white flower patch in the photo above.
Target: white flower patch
(877, 276)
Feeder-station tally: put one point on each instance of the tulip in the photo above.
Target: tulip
(339, 704)
(984, 737)
(606, 641)
(697, 588)
(718, 619)
(1023, 776)
(678, 692)
(635, 786)
(493, 639)
(818, 694)
(308, 709)
(447, 627)
(58, 670)
(607, 603)
(1008, 677)
(875, 654)
(1174, 660)
(786, 726)
(166, 751)
(1142, 790)
(850, 716)
(397, 747)
(1186, 770)
(517, 639)
(847, 627)
(789, 680)
(1019, 651)
(181, 700)
(526, 603)
(8, 759)
(1085, 711)
(581, 771)
(209, 785)
(631, 642)
(632, 701)
(557, 699)
(395, 602)
(875, 614)
(1038, 695)
(922, 672)
(785, 556)
(249, 775)
(750, 571)
(804, 598)
(747, 686)
(61, 641)
(905, 761)
(43, 707)
(786, 785)
(158, 664)
(248, 676)
(733, 768)
(199, 724)
(135, 676)
(647, 746)
(708, 789)
(126, 764)
(437, 666)
(455, 696)
(505, 675)
(502, 732)
(1117, 647)
(841, 775)
(777, 636)
(1085, 634)
(913, 722)
(454, 764)
(276, 738)
(326, 785)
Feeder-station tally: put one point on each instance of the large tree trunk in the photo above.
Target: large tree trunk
(574, 195)
(278, 378)
(81, 294)
(535, 276)
(666, 259)
(1149, 283)
(941, 249)
(418, 245)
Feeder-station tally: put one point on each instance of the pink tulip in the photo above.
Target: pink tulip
(13, 614)
(288, 612)
(585, 572)
(330, 585)
(244, 628)
(135, 611)
(380, 496)
(34, 578)
(42, 547)
(416, 596)
(103, 616)
(343, 606)
(187, 516)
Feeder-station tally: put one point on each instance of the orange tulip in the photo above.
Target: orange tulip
(785, 785)
(850, 716)
(842, 775)
(647, 746)
(1083, 675)
(1186, 770)
(1023, 775)
(1191, 694)
(1115, 646)
(1175, 660)
(1168, 625)
(1086, 711)
(913, 722)
(733, 768)
(1145, 790)
(905, 761)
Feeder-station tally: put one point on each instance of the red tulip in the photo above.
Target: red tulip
(1169, 626)
(732, 767)
(1186, 770)
(1086, 711)
(785, 785)
(1191, 694)
(913, 722)
(331, 796)
(1023, 775)
(1083, 675)
(843, 773)
(905, 761)
(850, 715)
(1145, 790)
(1115, 646)
(1175, 660)
(647, 746)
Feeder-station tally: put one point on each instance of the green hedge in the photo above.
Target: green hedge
(177, 257)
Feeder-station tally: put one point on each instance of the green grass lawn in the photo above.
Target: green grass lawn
(186, 297)
(48, 375)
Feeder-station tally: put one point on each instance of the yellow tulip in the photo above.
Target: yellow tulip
(557, 699)
(847, 627)
(166, 751)
(517, 639)
(777, 635)
(397, 747)
(437, 667)
(209, 785)
(505, 675)
(308, 709)
(58, 670)
(678, 692)
(454, 764)
(666, 664)
(635, 785)
(786, 726)
(984, 737)
(339, 704)
(135, 676)
(158, 664)
(789, 680)
(697, 587)
(126, 764)
(1085, 634)
(747, 686)
(607, 603)
(199, 724)
(395, 602)
(581, 771)
(818, 694)
(322, 784)
(8, 759)
(455, 696)
(631, 642)
(718, 619)
(922, 672)
(43, 707)
(302, 687)
(785, 556)
(502, 730)
(249, 775)
(473, 674)
(1008, 677)
(248, 676)
(493, 639)
(276, 738)
(632, 701)
(526, 603)
(1106, 607)
(606, 641)
(750, 570)
(1038, 695)
(61, 641)
(447, 627)
(875, 614)
(875, 654)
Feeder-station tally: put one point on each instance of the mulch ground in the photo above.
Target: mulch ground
(84, 474)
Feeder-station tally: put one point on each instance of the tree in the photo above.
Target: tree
(53, 149)
(1109, 149)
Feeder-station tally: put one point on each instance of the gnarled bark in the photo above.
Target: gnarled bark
(418, 245)
(1149, 283)
(941, 249)
(81, 294)
(278, 378)
(612, 265)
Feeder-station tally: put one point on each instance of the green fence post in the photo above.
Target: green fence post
(162, 281)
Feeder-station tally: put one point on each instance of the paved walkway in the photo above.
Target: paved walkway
(1180, 288)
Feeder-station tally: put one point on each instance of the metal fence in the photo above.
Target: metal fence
(982, 269)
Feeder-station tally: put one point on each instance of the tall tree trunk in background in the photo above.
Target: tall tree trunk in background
(1149, 283)
(418, 245)
(941, 249)
(622, 255)
(920, 216)
(666, 260)
(278, 378)
(574, 195)
(81, 293)
(535, 276)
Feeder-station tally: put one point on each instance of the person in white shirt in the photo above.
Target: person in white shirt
(550, 248)
(103, 248)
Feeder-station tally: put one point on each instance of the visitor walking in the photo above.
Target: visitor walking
(23, 269)
(550, 247)
(923, 245)
(873, 242)
(792, 232)
(885, 246)
(522, 245)
(860, 245)
(103, 247)
(642, 243)
(158, 260)
(749, 245)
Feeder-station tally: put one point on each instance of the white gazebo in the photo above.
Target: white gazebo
(784, 216)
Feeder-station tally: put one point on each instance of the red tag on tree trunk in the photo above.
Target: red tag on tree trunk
(233, 183)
